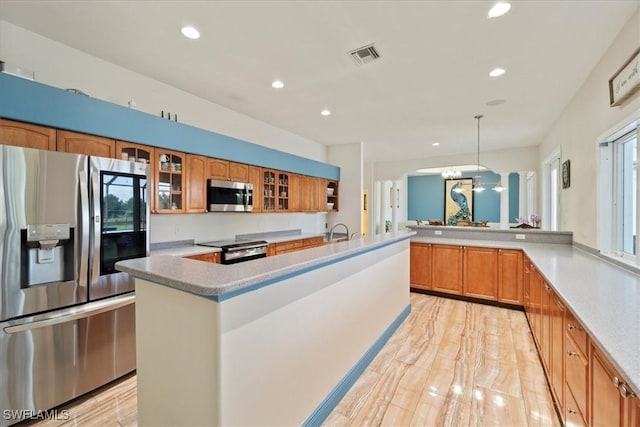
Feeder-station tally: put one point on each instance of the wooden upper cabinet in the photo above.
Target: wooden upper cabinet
(420, 265)
(238, 172)
(447, 269)
(480, 272)
(255, 178)
(79, 143)
(218, 169)
(138, 152)
(321, 196)
(226, 170)
(26, 135)
(510, 276)
(169, 181)
(196, 187)
(295, 192)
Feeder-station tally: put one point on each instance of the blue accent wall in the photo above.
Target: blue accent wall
(426, 197)
(33, 102)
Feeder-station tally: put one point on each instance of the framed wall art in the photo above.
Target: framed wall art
(458, 200)
(566, 174)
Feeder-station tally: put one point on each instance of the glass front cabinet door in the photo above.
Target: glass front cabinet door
(169, 195)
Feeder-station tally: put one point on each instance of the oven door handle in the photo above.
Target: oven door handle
(69, 314)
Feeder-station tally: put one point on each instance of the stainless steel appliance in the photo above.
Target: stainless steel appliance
(234, 252)
(229, 196)
(67, 322)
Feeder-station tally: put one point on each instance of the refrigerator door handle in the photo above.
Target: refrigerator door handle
(96, 225)
(82, 256)
(69, 314)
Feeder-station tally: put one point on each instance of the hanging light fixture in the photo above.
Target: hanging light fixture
(499, 187)
(451, 174)
(477, 184)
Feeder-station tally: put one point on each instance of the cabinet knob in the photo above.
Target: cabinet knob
(623, 390)
(616, 382)
(570, 327)
(571, 410)
(571, 353)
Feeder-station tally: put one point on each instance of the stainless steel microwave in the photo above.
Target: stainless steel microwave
(229, 196)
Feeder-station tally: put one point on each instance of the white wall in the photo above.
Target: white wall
(577, 133)
(349, 158)
(61, 66)
(224, 225)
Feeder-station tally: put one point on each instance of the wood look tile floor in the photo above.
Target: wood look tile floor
(451, 363)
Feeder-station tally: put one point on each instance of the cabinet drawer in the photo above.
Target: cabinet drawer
(312, 241)
(572, 415)
(576, 332)
(288, 246)
(576, 368)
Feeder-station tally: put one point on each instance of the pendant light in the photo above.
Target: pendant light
(477, 184)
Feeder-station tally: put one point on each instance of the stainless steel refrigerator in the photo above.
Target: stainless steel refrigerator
(67, 322)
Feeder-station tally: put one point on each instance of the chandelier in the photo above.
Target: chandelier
(451, 174)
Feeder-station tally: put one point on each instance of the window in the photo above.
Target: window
(625, 155)
(618, 208)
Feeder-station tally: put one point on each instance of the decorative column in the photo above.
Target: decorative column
(523, 196)
(395, 204)
(375, 208)
(504, 200)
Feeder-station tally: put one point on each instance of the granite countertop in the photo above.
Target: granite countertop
(216, 280)
(604, 298)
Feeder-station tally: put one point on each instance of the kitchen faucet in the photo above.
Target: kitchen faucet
(334, 227)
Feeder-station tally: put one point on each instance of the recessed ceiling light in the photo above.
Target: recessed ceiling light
(277, 84)
(435, 144)
(499, 9)
(325, 112)
(190, 32)
(495, 102)
(497, 72)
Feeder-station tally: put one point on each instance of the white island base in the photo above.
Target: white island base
(281, 354)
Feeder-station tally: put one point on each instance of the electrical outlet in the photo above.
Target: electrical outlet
(177, 229)
(437, 232)
(520, 236)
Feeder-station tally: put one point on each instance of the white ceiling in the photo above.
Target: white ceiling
(430, 81)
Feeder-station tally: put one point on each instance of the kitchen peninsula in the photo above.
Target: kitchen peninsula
(277, 340)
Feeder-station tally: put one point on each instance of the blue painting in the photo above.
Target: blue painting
(458, 204)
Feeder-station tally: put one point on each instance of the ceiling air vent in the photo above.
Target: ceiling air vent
(364, 55)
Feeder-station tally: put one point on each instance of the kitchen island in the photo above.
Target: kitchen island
(276, 341)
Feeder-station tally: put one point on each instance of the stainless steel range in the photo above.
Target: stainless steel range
(234, 252)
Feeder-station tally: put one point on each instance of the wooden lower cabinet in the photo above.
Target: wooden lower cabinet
(446, 264)
(420, 262)
(612, 403)
(545, 325)
(556, 364)
(480, 272)
(510, 276)
(80, 143)
(213, 257)
(576, 375)
(294, 245)
(27, 135)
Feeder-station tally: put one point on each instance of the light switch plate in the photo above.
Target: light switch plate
(437, 232)
(520, 236)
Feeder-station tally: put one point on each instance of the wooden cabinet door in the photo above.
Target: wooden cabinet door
(545, 325)
(139, 152)
(535, 287)
(218, 169)
(79, 143)
(321, 196)
(282, 191)
(576, 374)
(238, 172)
(557, 350)
(255, 178)
(446, 269)
(510, 276)
(169, 181)
(420, 265)
(480, 272)
(295, 192)
(196, 183)
(526, 289)
(269, 189)
(26, 135)
(213, 257)
(611, 403)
